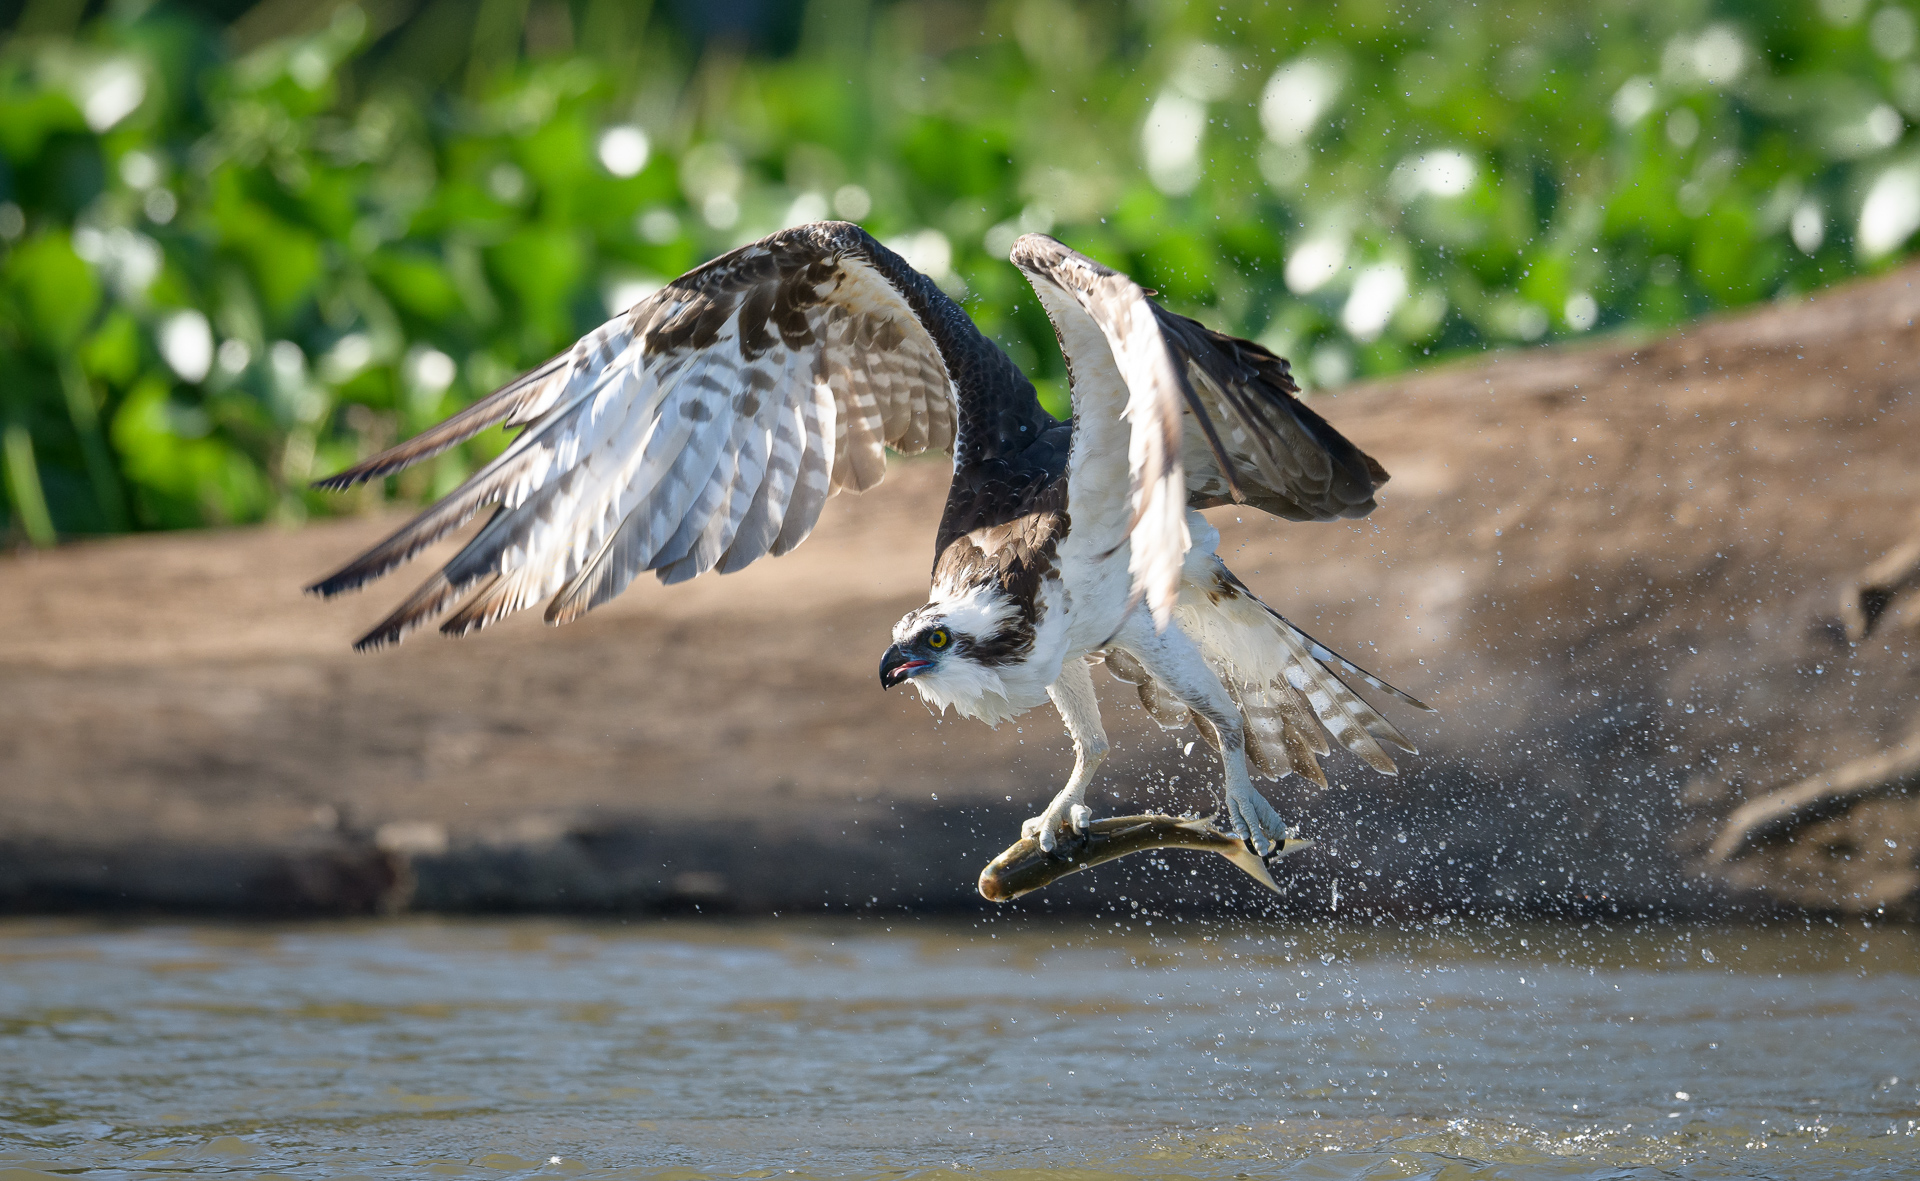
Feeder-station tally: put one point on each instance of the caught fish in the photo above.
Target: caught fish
(1025, 867)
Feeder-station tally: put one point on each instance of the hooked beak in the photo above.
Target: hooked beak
(898, 667)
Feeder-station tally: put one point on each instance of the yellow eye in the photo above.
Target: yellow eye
(938, 638)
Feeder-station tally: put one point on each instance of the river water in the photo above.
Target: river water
(886, 1048)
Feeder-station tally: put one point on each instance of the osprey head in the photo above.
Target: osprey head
(952, 648)
(924, 650)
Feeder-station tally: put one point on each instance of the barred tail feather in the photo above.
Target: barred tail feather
(1282, 678)
(1324, 654)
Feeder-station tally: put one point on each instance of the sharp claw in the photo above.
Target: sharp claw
(1079, 816)
(1250, 825)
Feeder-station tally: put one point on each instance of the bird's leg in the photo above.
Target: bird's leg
(1176, 662)
(1079, 708)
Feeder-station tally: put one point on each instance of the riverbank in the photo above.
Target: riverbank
(1618, 570)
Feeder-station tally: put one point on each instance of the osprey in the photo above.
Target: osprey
(706, 427)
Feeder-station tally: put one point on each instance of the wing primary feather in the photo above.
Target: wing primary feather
(618, 563)
(548, 526)
(573, 599)
(497, 407)
(629, 546)
(502, 595)
(434, 596)
(522, 459)
(1242, 402)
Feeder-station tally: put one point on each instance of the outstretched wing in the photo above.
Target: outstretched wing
(1205, 418)
(704, 427)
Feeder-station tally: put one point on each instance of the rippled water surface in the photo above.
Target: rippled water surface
(679, 1050)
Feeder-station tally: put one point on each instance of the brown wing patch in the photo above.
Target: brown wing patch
(1251, 440)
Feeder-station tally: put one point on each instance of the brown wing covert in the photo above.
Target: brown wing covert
(1251, 440)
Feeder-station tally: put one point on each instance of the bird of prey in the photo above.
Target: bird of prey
(705, 428)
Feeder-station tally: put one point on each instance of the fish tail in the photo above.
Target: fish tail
(1259, 868)
(1251, 864)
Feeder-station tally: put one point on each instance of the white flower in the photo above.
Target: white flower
(186, 343)
(129, 261)
(1633, 100)
(349, 355)
(1809, 227)
(1843, 12)
(1205, 72)
(1581, 311)
(928, 252)
(110, 92)
(1170, 141)
(1330, 366)
(711, 170)
(140, 170)
(1720, 55)
(1892, 32)
(852, 202)
(235, 356)
(1892, 211)
(720, 211)
(430, 370)
(658, 225)
(1448, 172)
(1717, 57)
(1315, 262)
(1034, 219)
(1884, 126)
(624, 150)
(807, 207)
(289, 364)
(1377, 292)
(1683, 127)
(622, 294)
(1297, 97)
(506, 182)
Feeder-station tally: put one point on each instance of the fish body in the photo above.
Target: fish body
(1025, 867)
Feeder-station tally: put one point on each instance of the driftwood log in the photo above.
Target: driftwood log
(1888, 590)
(1853, 827)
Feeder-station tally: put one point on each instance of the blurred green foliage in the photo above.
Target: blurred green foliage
(237, 255)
